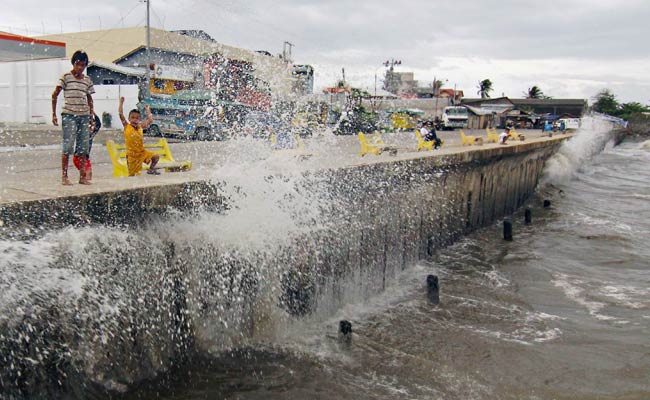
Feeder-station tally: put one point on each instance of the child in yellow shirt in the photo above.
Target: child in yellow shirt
(136, 154)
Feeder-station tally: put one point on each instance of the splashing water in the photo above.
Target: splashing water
(594, 134)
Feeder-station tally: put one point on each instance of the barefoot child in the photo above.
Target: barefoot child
(136, 154)
(75, 117)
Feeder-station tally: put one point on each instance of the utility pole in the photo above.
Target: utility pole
(390, 81)
(454, 94)
(435, 94)
(148, 66)
(287, 55)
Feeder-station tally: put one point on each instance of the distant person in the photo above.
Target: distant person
(437, 123)
(76, 159)
(136, 154)
(548, 127)
(504, 136)
(75, 116)
(428, 133)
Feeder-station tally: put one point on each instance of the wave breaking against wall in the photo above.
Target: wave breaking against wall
(216, 265)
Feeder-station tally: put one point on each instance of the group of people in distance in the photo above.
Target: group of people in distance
(80, 124)
(428, 133)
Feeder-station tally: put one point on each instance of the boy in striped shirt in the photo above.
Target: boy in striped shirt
(75, 117)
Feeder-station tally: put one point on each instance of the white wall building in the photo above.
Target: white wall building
(26, 91)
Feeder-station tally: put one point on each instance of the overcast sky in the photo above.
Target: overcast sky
(569, 48)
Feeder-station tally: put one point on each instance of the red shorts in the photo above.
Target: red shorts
(77, 163)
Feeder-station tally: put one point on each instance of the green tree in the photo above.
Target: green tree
(484, 88)
(534, 93)
(605, 102)
(633, 109)
(437, 84)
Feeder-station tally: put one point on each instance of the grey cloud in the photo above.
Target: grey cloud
(363, 33)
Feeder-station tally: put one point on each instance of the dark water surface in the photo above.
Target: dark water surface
(562, 312)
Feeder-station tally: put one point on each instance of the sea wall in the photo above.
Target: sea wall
(127, 303)
(638, 128)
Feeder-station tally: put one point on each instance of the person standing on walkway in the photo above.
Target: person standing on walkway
(75, 117)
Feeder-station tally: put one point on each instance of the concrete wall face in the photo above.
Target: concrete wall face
(375, 220)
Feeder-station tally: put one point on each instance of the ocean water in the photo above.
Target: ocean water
(561, 312)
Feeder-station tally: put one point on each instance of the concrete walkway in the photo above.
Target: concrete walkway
(31, 168)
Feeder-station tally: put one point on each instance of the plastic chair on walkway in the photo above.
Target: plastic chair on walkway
(492, 135)
(374, 144)
(469, 139)
(516, 135)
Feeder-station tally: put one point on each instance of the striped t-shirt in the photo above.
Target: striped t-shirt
(75, 92)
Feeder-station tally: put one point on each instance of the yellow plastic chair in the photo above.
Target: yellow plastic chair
(367, 148)
(374, 144)
(469, 139)
(422, 144)
(117, 153)
(298, 150)
(492, 135)
(297, 141)
(514, 135)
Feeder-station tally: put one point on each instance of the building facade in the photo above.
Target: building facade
(208, 62)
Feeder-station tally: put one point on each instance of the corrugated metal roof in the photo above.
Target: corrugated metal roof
(479, 110)
(112, 44)
(119, 68)
(20, 48)
(379, 93)
(549, 102)
(487, 100)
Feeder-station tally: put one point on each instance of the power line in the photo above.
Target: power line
(114, 26)
(26, 30)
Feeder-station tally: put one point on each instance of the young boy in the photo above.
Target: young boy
(75, 116)
(136, 154)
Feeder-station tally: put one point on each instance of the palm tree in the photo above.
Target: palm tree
(437, 84)
(534, 93)
(484, 88)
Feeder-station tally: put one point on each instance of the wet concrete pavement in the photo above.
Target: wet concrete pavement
(31, 167)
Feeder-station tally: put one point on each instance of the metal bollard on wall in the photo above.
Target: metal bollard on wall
(528, 216)
(507, 230)
(433, 289)
(345, 331)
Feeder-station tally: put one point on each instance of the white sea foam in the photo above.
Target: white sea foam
(534, 329)
(628, 296)
(590, 220)
(645, 145)
(574, 289)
